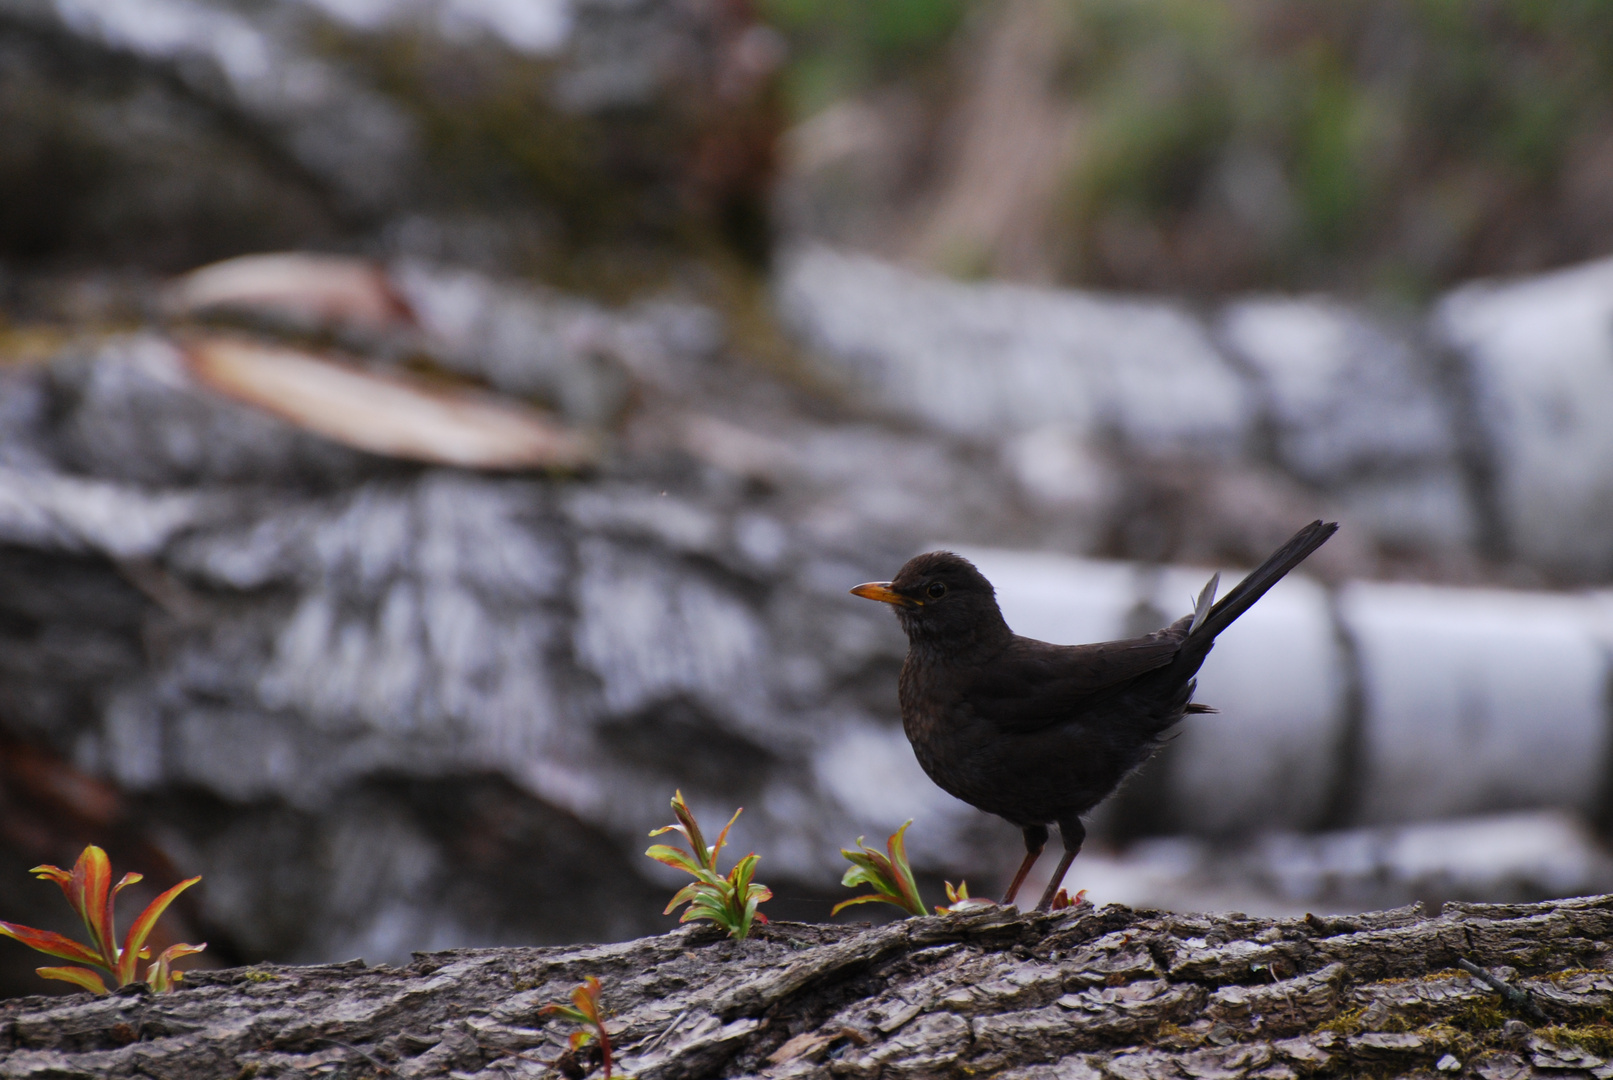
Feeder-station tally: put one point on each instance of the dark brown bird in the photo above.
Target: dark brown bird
(1038, 733)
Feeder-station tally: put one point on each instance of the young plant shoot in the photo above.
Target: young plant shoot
(890, 875)
(729, 901)
(586, 1013)
(958, 899)
(88, 887)
(1063, 899)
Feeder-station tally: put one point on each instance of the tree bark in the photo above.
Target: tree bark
(1088, 993)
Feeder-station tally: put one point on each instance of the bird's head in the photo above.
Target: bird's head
(940, 596)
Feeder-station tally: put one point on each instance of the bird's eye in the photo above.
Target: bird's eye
(936, 590)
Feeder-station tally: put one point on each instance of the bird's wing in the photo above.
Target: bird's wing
(1032, 685)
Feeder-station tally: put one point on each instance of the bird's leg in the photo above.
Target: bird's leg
(1035, 841)
(1072, 832)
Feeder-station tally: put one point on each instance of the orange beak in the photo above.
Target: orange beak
(882, 591)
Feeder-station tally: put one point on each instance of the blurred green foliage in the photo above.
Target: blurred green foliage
(1396, 130)
(1381, 144)
(844, 47)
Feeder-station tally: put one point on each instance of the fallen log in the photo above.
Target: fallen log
(1084, 993)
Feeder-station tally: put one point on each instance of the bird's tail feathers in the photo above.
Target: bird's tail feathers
(1206, 598)
(1206, 625)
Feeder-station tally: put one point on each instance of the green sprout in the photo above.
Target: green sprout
(958, 899)
(88, 887)
(585, 1012)
(730, 901)
(890, 875)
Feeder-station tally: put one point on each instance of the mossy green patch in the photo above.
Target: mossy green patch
(1596, 1038)
(1175, 1037)
(1352, 1022)
(1479, 1017)
(1442, 974)
(1443, 1038)
(1345, 1023)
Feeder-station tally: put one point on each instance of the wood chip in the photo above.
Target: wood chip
(300, 285)
(388, 414)
(801, 1046)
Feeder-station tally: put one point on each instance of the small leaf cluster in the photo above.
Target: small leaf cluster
(731, 900)
(586, 1013)
(889, 874)
(1062, 899)
(958, 899)
(728, 900)
(89, 889)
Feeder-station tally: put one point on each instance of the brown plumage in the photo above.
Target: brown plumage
(1039, 733)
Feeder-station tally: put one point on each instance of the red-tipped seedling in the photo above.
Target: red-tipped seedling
(586, 1013)
(729, 901)
(958, 899)
(88, 887)
(889, 873)
(1063, 899)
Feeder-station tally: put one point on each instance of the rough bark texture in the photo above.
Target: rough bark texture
(1085, 993)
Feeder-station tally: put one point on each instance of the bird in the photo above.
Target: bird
(1037, 733)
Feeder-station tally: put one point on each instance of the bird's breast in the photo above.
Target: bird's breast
(948, 738)
(1027, 776)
